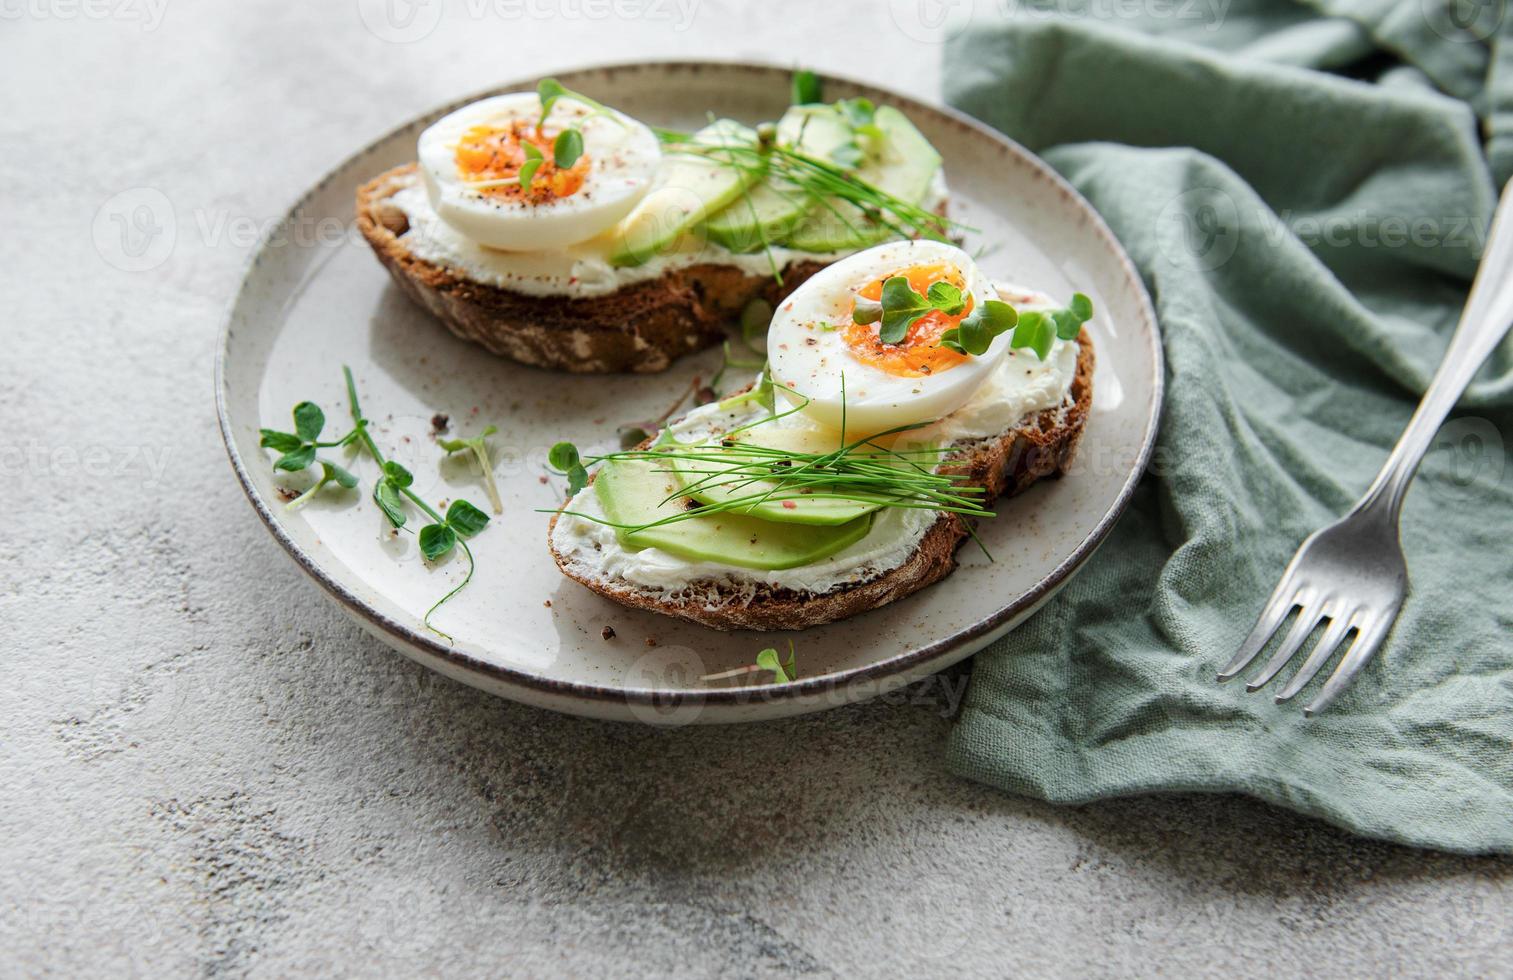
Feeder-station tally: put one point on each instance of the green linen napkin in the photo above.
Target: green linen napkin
(1306, 196)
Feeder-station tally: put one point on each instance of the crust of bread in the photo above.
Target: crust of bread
(1041, 446)
(642, 327)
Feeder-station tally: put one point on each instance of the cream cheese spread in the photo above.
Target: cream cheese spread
(581, 270)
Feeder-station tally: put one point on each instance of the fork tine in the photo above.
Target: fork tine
(1338, 627)
(1283, 598)
(1308, 617)
(1367, 642)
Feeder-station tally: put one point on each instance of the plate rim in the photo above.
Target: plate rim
(964, 642)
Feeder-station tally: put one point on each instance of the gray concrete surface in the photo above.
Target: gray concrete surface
(207, 770)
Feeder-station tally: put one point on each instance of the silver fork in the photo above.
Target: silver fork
(1352, 573)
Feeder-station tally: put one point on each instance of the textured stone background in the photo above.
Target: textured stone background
(207, 770)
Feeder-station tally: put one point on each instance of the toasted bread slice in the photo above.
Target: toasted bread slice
(640, 327)
(1040, 445)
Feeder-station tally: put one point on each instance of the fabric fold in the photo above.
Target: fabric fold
(1308, 240)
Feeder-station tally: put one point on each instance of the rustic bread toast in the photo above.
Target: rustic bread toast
(1040, 445)
(641, 327)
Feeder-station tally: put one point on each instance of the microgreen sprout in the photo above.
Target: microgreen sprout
(394, 487)
(568, 146)
(298, 450)
(564, 458)
(783, 672)
(975, 333)
(901, 305)
(1039, 330)
(533, 161)
(480, 450)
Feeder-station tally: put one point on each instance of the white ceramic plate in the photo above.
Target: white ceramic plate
(314, 297)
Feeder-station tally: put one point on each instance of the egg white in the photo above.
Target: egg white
(623, 159)
(808, 354)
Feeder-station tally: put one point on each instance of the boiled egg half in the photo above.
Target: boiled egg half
(471, 161)
(827, 360)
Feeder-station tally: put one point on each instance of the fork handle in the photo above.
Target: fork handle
(1487, 317)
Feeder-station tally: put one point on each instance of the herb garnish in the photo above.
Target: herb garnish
(299, 451)
(783, 672)
(480, 451)
(391, 489)
(533, 161)
(861, 470)
(1038, 330)
(568, 146)
(901, 305)
(563, 457)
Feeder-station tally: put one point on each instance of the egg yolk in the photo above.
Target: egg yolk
(919, 354)
(489, 153)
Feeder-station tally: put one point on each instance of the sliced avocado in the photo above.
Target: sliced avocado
(766, 213)
(632, 491)
(904, 168)
(688, 190)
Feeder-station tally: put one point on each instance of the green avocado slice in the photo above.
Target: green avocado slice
(688, 190)
(905, 168)
(631, 492)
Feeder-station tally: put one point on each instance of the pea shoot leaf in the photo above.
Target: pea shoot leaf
(975, 334)
(386, 495)
(567, 148)
(296, 459)
(466, 519)
(1036, 331)
(330, 471)
(564, 458)
(549, 90)
(436, 540)
(397, 474)
(308, 421)
(282, 441)
(533, 161)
